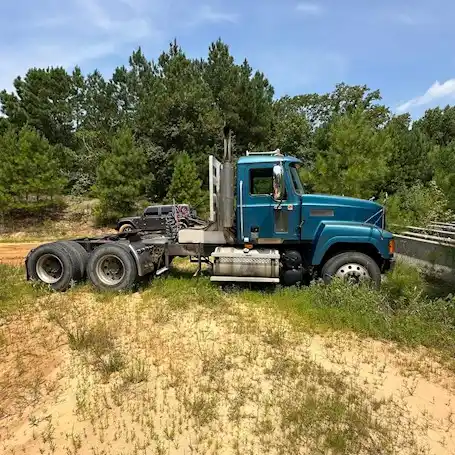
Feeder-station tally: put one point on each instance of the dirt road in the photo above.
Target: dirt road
(15, 253)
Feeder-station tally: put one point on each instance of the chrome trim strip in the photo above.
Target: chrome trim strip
(247, 279)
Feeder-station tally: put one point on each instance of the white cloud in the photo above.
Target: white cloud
(437, 92)
(82, 32)
(207, 14)
(310, 8)
(70, 34)
(406, 19)
(418, 15)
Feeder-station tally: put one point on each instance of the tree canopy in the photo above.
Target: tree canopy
(135, 134)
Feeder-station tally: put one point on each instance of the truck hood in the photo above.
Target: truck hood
(343, 208)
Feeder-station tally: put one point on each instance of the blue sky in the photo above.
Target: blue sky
(402, 47)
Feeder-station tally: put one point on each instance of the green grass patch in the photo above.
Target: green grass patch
(403, 310)
(181, 292)
(15, 291)
(400, 311)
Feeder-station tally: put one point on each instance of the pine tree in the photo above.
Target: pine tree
(38, 166)
(29, 168)
(185, 187)
(120, 177)
(355, 163)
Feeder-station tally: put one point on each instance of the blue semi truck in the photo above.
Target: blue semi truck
(263, 228)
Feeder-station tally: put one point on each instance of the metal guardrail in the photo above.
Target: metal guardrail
(434, 245)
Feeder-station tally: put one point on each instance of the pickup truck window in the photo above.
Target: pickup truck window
(151, 211)
(296, 182)
(261, 181)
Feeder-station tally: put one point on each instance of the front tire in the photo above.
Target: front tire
(352, 267)
(112, 268)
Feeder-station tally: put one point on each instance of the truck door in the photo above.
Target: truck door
(263, 219)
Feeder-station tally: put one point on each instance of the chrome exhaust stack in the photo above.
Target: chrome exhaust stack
(226, 218)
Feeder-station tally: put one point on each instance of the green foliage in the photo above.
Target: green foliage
(15, 292)
(43, 101)
(401, 311)
(291, 131)
(30, 168)
(408, 163)
(349, 142)
(438, 124)
(443, 159)
(120, 177)
(343, 100)
(243, 99)
(185, 186)
(417, 205)
(354, 163)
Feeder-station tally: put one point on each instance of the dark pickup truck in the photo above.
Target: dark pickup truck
(155, 216)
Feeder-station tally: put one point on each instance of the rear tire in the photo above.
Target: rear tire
(79, 256)
(352, 266)
(127, 227)
(112, 268)
(54, 265)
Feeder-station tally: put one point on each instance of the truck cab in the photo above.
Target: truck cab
(330, 235)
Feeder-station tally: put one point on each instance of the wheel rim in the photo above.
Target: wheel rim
(110, 270)
(127, 229)
(49, 268)
(353, 272)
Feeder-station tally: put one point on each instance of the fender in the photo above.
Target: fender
(134, 220)
(332, 232)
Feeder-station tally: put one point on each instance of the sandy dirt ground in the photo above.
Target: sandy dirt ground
(15, 253)
(141, 374)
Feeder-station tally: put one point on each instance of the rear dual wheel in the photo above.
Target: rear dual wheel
(112, 268)
(58, 264)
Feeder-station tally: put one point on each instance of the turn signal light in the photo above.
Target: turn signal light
(392, 246)
(249, 246)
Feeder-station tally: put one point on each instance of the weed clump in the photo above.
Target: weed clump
(96, 344)
(181, 293)
(15, 291)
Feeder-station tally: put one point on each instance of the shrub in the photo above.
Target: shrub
(418, 206)
(120, 178)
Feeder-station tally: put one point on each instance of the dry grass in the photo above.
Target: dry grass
(74, 220)
(174, 371)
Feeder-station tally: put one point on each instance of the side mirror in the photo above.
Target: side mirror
(278, 182)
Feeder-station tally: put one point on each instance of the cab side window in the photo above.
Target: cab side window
(261, 181)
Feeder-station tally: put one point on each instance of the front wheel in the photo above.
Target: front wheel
(352, 267)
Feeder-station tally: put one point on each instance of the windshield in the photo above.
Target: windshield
(296, 182)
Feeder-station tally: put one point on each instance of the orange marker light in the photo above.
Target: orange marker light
(391, 246)
(249, 246)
